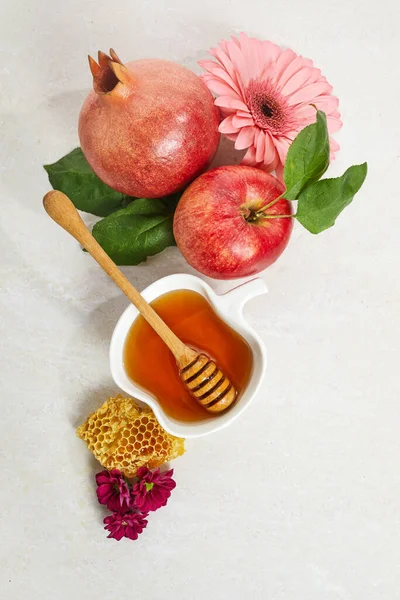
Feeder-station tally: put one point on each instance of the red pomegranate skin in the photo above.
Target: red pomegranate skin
(211, 229)
(154, 132)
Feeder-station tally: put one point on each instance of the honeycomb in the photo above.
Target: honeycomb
(124, 436)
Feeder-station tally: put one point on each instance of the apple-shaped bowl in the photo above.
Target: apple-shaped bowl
(229, 307)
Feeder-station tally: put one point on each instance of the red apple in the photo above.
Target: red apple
(223, 226)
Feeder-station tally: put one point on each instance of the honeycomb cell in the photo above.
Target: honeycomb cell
(142, 428)
(147, 435)
(145, 420)
(158, 448)
(96, 431)
(139, 437)
(129, 448)
(150, 426)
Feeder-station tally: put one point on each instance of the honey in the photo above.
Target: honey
(150, 364)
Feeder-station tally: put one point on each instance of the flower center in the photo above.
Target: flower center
(268, 108)
(149, 486)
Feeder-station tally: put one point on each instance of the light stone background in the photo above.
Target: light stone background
(299, 499)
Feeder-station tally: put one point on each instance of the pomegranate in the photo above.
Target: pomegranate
(230, 224)
(149, 127)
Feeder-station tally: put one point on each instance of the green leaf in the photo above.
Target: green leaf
(73, 176)
(322, 202)
(142, 229)
(307, 158)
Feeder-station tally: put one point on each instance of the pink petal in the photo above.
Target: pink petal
(220, 73)
(250, 157)
(283, 60)
(243, 113)
(282, 147)
(295, 82)
(226, 126)
(250, 52)
(208, 65)
(229, 102)
(304, 111)
(260, 147)
(221, 88)
(333, 124)
(310, 92)
(334, 145)
(245, 138)
(327, 103)
(270, 51)
(225, 61)
(279, 171)
(235, 40)
(231, 136)
(242, 121)
(290, 70)
(269, 153)
(239, 63)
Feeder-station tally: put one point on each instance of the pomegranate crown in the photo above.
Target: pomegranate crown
(108, 72)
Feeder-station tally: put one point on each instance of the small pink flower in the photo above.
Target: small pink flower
(129, 525)
(113, 490)
(265, 95)
(153, 489)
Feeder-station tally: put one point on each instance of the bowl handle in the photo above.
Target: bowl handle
(237, 297)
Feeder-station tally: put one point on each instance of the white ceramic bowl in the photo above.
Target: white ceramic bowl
(229, 307)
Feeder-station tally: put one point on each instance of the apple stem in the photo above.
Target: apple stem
(277, 216)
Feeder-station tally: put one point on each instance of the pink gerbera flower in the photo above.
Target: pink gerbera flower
(265, 95)
(129, 524)
(113, 490)
(153, 488)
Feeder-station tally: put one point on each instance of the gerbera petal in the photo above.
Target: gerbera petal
(250, 157)
(208, 65)
(282, 147)
(333, 124)
(239, 122)
(296, 81)
(279, 171)
(283, 60)
(245, 138)
(229, 102)
(269, 152)
(250, 50)
(333, 144)
(290, 70)
(304, 111)
(327, 103)
(226, 126)
(231, 136)
(270, 51)
(225, 61)
(220, 87)
(240, 65)
(310, 92)
(243, 113)
(216, 70)
(260, 147)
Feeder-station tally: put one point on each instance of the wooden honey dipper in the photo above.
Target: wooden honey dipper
(200, 375)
